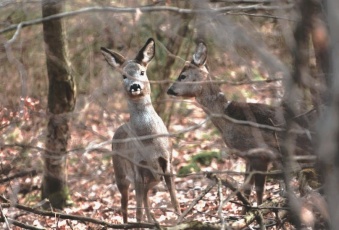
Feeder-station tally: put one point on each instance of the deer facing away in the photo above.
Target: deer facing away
(153, 153)
(195, 81)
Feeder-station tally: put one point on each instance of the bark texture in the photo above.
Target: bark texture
(61, 101)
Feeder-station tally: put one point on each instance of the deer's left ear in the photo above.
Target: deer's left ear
(114, 59)
(200, 54)
(146, 53)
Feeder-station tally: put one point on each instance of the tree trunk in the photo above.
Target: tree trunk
(328, 151)
(61, 100)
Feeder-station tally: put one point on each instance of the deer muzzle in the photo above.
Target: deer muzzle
(170, 91)
(135, 89)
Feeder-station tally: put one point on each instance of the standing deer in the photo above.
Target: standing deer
(140, 162)
(195, 81)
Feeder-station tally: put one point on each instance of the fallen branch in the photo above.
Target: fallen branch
(19, 224)
(75, 217)
(182, 226)
(195, 201)
(253, 214)
(229, 184)
(197, 225)
(32, 172)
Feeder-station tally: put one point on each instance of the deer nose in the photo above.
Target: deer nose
(135, 89)
(170, 91)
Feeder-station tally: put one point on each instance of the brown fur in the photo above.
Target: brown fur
(194, 81)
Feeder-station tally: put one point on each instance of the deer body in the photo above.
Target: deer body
(194, 81)
(234, 135)
(146, 161)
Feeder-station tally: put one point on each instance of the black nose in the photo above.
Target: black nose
(135, 88)
(170, 91)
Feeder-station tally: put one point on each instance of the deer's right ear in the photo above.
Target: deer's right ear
(146, 53)
(113, 59)
(200, 54)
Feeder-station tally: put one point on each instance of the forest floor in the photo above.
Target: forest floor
(91, 175)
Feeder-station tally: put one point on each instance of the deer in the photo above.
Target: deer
(147, 161)
(195, 81)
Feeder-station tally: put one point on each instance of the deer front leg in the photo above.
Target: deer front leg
(171, 188)
(122, 183)
(124, 203)
(123, 186)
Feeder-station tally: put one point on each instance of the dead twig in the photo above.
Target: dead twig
(195, 201)
(72, 217)
(229, 184)
(32, 172)
(19, 224)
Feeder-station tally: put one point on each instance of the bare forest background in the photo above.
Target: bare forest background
(270, 52)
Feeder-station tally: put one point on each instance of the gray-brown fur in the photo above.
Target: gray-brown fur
(153, 153)
(194, 81)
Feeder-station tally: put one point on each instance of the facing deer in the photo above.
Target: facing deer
(194, 81)
(140, 161)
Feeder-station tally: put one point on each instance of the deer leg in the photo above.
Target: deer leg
(146, 204)
(123, 189)
(170, 185)
(139, 194)
(260, 181)
(249, 180)
(122, 183)
(144, 179)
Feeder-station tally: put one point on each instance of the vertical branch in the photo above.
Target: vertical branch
(319, 35)
(61, 100)
(328, 150)
(296, 90)
(174, 45)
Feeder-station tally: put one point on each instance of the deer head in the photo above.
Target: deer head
(193, 75)
(134, 76)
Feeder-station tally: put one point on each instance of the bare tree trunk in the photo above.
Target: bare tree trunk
(328, 151)
(296, 91)
(61, 100)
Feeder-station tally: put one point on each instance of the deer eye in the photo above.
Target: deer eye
(181, 77)
(142, 73)
(124, 76)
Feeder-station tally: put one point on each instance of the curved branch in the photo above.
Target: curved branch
(145, 9)
(75, 217)
(196, 200)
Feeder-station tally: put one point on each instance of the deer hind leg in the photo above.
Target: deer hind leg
(249, 180)
(260, 180)
(145, 181)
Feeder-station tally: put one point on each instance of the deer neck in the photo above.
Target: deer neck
(143, 117)
(141, 106)
(212, 100)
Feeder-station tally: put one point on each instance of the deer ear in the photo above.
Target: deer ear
(146, 53)
(200, 55)
(113, 59)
